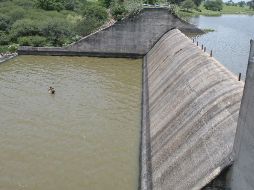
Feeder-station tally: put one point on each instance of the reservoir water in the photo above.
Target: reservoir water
(230, 41)
(86, 136)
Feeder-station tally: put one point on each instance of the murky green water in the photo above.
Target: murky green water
(86, 136)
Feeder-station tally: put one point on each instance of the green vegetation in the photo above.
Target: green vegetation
(61, 22)
(56, 22)
(202, 10)
(185, 9)
(206, 30)
(214, 5)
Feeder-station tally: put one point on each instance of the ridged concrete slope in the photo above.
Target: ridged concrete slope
(193, 109)
(132, 36)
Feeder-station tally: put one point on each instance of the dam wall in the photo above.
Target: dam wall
(190, 111)
(242, 177)
(131, 37)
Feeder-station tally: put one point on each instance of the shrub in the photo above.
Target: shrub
(25, 27)
(57, 31)
(251, 4)
(50, 4)
(197, 2)
(95, 11)
(36, 41)
(70, 4)
(93, 17)
(133, 6)
(105, 3)
(4, 38)
(13, 48)
(214, 5)
(17, 14)
(5, 22)
(241, 3)
(188, 4)
(118, 11)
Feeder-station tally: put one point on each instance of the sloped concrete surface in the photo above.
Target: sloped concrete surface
(193, 110)
(131, 37)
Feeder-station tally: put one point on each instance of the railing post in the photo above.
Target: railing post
(239, 76)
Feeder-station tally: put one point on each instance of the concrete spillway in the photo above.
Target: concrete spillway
(132, 37)
(190, 111)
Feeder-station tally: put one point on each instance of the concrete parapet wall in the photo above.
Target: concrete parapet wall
(131, 37)
(193, 104)
(243, 170)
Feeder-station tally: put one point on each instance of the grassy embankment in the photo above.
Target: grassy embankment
(226, 10)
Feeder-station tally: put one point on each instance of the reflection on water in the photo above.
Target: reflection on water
(231, 40)
(86, 136)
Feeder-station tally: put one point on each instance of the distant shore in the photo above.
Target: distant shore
(226, 10)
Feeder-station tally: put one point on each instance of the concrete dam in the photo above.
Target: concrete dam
(190, 102)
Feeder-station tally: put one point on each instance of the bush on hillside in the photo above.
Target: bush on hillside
(58, 4)
(13, 48)
(16, 14)
(105, 3)
(197, 2)
(70, 5)
(50, 4)
(118, 11)
(36, 41)
(57, 31)
(25, 27)
(5, 22)
(133, 7)
(214, 5)
(94, 16)
(188, 4)
(4, 38)
(24, 3)
(251, 4)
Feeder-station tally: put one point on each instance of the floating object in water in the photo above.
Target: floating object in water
(51, 90)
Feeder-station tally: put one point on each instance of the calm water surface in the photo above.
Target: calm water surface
(231, 40)
(86, 136)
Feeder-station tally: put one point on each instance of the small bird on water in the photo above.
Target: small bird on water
(51, 90)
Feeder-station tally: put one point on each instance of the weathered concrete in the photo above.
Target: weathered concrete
(131, 37)
(193, 104)
(243, 170)
(7, 57)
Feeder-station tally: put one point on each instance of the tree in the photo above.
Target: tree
(5, 22)
(177, 2)
(118, 10)
(188, 4)
(50, 4)
(93, 17)
(230, 3)
(57, 31)
(242, 3)
(251, 4)
(105, 3)
(214, 5)
(197, 2)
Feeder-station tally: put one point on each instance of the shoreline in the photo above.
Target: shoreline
(7, 56)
